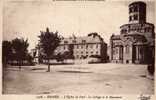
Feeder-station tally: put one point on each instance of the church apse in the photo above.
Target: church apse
(135, 44)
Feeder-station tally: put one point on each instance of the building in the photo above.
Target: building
(135, 44)
(77, 48)
(83, 47)
(35, 54)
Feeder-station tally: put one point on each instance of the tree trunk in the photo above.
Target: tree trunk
(48, 65)
(5, 62)
(20, 65)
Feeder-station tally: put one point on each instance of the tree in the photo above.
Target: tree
(49, 42)
(59, 57)
(71, 51)
(20, 51)
(6, 51)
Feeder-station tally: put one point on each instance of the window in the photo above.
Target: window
(74, 41)
(77, 46)
(81, 46)
(135, 9)
(130, 10)
(65, 42)
(125, 31)
(64, 47)
(97, 52)
(130, 18)
(97, 46)
(122, 31)
(147, 29)
(91, 46)
(83, 41)
(87, 46)
(135, 17)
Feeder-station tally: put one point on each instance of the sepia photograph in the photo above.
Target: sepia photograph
(78, 47)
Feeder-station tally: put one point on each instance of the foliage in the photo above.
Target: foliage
(6, 51)
(68, 55)
(20, 48)
(63, 56)
(96, 56)
(49, 41)
(59, 57)
(151, 68)
(16, 50)
(71, 52)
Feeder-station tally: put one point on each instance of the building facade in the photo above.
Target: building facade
(77, 47)
(136, 43)
(83, 47)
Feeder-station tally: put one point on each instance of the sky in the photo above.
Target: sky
(28, 17)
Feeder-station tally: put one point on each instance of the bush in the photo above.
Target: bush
(151, 69)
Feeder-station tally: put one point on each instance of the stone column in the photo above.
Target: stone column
(121, 54)
(143, 54)
(137, 54)
(124, 54)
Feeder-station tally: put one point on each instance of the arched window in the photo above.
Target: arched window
(135, 17)
(135, 9)
(130, 10)
(130, 18)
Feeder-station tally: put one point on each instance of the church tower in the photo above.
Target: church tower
(137, 12)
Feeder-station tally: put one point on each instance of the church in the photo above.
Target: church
(136, 43)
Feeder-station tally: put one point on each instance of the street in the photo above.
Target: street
(78, 79)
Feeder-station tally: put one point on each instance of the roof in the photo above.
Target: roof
(137, 37)
(116, 37)
(131, 24)
(80, 40)
(138, 2)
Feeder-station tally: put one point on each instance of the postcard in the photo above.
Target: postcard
(78, 49)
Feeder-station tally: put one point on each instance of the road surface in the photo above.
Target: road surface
(78, 79)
